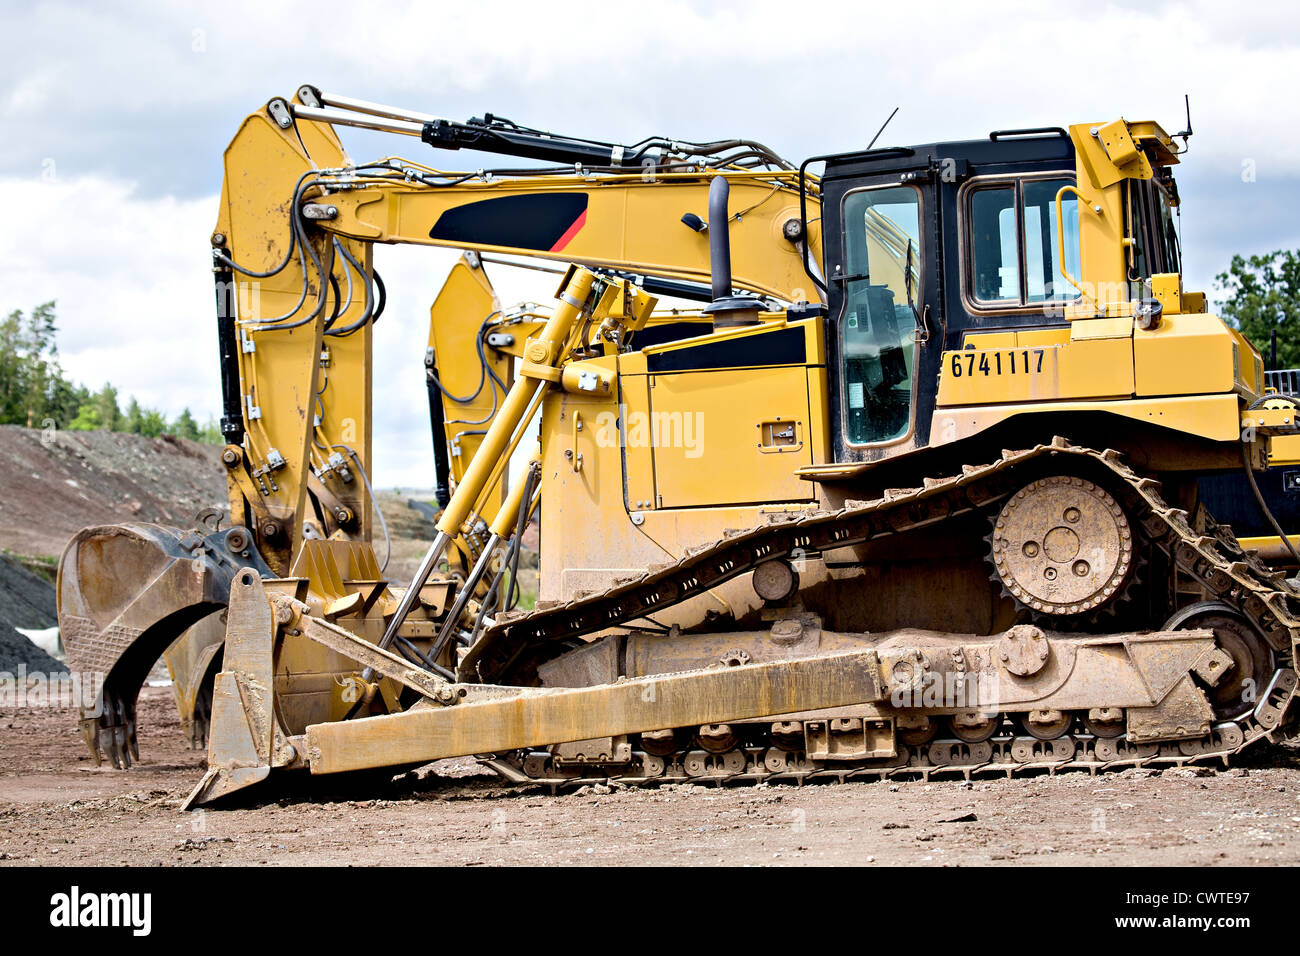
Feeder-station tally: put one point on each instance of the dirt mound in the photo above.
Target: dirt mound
(27, 601)
(58, 482)
(16, 651)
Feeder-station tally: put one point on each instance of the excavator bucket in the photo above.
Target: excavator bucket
(130, 594)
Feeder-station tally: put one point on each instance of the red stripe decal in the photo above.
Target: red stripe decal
(569, 233)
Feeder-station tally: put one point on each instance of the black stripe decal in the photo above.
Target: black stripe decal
(782, 347)
(519, 222)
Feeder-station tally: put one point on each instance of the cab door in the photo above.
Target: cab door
(883, 308)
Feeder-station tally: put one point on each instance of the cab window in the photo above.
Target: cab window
(1013, 258)
(1154, 234)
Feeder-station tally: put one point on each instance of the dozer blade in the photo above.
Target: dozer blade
(130, 593)
(247, 740)
(1151, 679)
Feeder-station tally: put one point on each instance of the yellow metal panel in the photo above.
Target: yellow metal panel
(1100, 183)
(1091, 368)
(1215, 417)
(638, 458)
(1249, 365)
(1119, 144)
(815, 340)
(1051, 336)
(1167, 288)
(989, 340)
(571, 537)
(1284, 450)
(1184, 354)
(631, 222)
(708, 448)
(1116, 327)
(819, 422)
(580, 554)
(465, 300)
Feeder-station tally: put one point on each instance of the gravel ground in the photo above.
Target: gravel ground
(57, 483)
(56, 808)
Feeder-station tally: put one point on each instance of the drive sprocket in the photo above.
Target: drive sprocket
(1062, 546)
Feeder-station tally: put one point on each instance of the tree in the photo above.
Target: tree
(30, 375)
(152, 423)
(186, 426)
(34, 391)
(98, 411)
(106, 404)
(131, 420)
(66, 400)
(1263, 296)
(87, 419)
(11, 374)
(211, 434)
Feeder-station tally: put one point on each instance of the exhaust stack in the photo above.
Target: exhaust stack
(727, 309)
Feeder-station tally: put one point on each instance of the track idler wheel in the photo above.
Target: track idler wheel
(716, 738)
(1253, 661)
(917, 730)
(659, 743)
(1104, 722)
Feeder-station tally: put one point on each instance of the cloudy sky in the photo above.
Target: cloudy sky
(115, 117)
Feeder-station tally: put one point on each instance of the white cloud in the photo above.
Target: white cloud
(132, 281)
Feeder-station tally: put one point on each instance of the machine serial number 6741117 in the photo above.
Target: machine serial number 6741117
(1010, 362)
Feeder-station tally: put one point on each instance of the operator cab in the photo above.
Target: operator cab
(944, 239)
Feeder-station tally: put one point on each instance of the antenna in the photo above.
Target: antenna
(1187, 104)
(882, 129)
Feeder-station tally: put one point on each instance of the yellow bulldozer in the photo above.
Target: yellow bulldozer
(911, 480)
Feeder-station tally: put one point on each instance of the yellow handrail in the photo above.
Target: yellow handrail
(1060, 240)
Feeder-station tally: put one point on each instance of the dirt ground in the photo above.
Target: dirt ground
(57, 808)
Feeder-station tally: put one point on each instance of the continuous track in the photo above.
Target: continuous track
(1213, 559)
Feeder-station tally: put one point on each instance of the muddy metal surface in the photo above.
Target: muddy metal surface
(56, 808)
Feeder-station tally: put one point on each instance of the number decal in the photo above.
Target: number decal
(987, 363)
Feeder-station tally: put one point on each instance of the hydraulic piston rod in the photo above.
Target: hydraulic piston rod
(536, 371)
